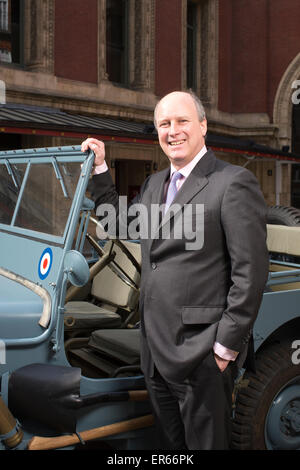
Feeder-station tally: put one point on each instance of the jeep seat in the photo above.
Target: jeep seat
(122, 345)
(107, 353)
(113, 300)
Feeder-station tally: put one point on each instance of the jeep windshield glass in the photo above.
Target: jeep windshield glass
(11, 177)
(38, 196)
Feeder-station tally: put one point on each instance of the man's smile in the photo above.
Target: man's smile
(177, 142)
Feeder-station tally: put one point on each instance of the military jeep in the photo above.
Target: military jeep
(51, 396)
(69, 322)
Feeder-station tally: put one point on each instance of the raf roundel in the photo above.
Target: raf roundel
(45, 263)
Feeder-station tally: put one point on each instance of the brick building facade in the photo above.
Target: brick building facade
(66, 63)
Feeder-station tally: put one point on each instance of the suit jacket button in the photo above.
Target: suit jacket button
(154, 265)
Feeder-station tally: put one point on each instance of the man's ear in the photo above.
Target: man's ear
(203, 127)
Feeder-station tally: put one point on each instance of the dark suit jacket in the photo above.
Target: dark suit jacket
(191, 298)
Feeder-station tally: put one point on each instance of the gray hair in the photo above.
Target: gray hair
(198, 103)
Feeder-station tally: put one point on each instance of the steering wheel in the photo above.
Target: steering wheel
(107, 258)
(112, 264)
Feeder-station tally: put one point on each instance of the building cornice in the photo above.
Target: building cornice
(95, 107)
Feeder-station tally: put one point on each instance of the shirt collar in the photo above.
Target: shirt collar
(187, 169)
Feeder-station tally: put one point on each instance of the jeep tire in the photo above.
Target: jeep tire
(267, 408)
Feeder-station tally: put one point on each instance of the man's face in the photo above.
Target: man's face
(180, 133)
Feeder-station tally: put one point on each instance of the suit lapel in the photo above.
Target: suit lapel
(158, 195)
(196, 181)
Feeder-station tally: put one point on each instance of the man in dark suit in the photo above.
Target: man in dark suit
(198, 302)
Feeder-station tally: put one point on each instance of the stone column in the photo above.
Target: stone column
(39, 35)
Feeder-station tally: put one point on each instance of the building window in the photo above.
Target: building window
(4, 15)
(117, 41)
(11, 31)
(191, 42)
(200, 54)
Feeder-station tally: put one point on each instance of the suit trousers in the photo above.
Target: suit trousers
(195, 414)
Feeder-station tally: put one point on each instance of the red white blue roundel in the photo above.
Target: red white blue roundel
(45, 263)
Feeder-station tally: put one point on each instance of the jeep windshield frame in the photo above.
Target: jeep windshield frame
(38, 191)
(32, 250)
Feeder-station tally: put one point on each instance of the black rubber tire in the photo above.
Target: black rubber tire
(281, 215)
(274, 369)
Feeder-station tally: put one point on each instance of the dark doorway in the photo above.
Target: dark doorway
(10, 141)
(130, 175)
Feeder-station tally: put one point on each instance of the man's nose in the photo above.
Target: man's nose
(174, 128)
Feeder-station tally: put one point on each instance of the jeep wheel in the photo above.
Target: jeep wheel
(281, 215)
(267, 413)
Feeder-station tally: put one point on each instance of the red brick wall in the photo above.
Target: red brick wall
(168, 44)
(76, 37)
(243, 56)
(257, 41)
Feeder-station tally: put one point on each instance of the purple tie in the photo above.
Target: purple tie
(172, 189)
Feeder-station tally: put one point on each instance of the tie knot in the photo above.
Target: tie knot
(176, 176)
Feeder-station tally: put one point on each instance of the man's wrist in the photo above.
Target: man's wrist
(100, 168)
(224, 353)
